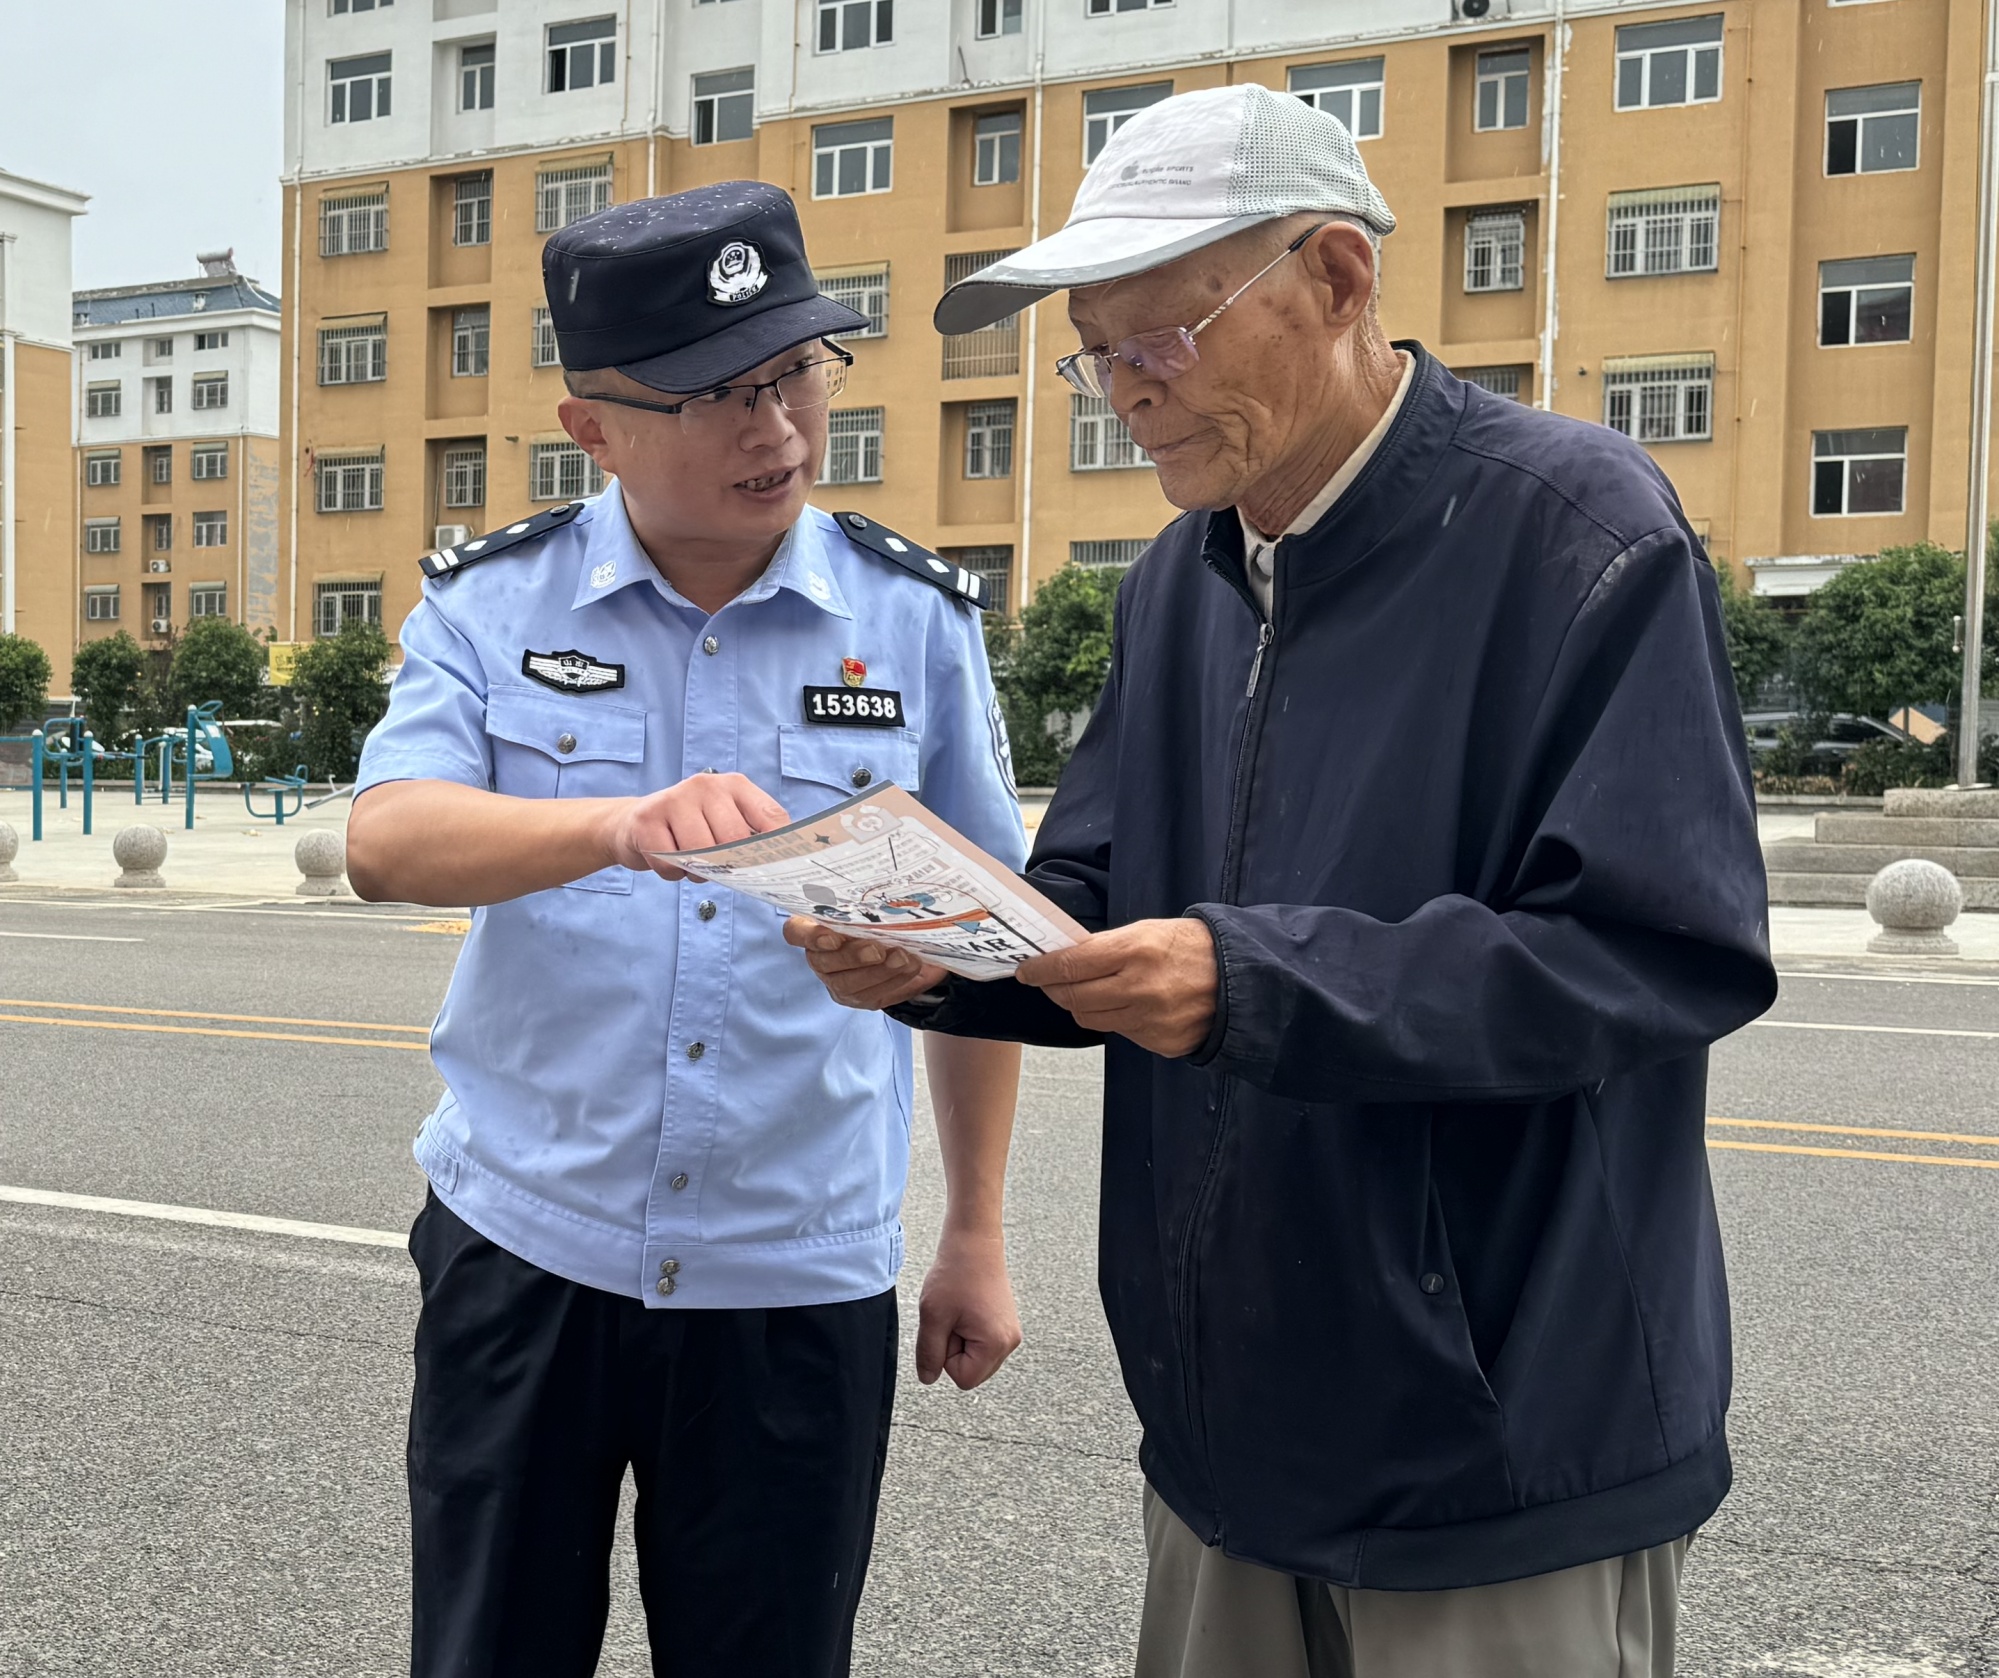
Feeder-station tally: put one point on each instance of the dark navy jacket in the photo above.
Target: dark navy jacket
(1413, 1268)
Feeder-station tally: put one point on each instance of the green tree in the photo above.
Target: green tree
(217, 658)
(106, 678)
(340, 694)
(1050, 666)
(1758, 637)
(24, 682)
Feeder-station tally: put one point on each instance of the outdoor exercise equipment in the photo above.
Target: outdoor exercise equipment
(280, 788)
(200, 741)
(40, 758)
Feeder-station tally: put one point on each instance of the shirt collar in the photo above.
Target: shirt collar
(1349, 469)
(612, 559)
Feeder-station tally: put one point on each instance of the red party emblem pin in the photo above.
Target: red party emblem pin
(853, 672)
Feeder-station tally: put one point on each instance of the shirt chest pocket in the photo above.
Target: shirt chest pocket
(546, 745)
(823, 765)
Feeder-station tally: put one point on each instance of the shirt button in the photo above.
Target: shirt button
(706, 910)
(669, 1267)
(567, 743)
(696, 1050)
(1431, 1283)
(711, 646)
(679, 1182)
(667, 1284)
(861, 777)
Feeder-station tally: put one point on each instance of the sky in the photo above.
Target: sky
(168, 113)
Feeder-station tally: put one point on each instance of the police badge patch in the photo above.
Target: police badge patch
(571, 672)
(738, 274)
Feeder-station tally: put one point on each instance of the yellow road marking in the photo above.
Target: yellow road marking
(1857, 1153)
(440, 926)
(189, 1014)
(218, 1031)
(1856, 1130)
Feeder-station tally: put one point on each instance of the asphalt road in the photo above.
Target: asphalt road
(201, 1427)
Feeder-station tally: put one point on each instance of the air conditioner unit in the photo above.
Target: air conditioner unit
(159, 565)
(450, 535)
(163, 626)
(1480, 11)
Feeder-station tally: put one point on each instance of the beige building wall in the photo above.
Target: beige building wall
(44, 506)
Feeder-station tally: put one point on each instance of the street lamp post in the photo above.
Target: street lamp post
(1976, 516)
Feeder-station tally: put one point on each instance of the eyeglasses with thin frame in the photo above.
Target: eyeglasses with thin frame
(811, 384)
(1163, 352)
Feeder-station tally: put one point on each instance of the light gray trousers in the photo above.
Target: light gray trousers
(1207, 1616)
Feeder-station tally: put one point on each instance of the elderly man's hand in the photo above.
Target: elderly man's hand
(1154, 982)
(859, 972)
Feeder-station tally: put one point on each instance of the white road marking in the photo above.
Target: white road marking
(204, 1215)
(73, 937)
(1887, 978)
(1878, 1030)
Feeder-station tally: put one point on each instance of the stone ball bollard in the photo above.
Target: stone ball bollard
(322, 858)
(139, 850)
(10, 846)
(1914, 901)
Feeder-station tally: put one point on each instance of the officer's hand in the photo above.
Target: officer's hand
(859, 972)
(966, 1323)
(702, 810)
(1154, 982)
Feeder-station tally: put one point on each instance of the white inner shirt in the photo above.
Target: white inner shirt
(1259, 551)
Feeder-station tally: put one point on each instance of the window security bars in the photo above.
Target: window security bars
(1676, 63)
(208, 600)
(102, 536)
(1873, 130)
(867, 294)
(1858, 472)
(352, 225)
(1495, 247)
(160, 526)
(1660, 399)
(1672, 230)
(853, 446)
(1110, 108)
(561, 472)
(993, 566)
(545, 352)
(210, 390)
(472, 209)
(349, 483)
(103, 401)
(1351, 91)
(725, 106)
(1122, 551)
(1867, 301)
(160, 464)
(102, 471)
(1501, 381)
(354, 355)
(210, 462)
(465, 477)
(565, 195)
(989, 440)
(100, 605)
(335, 604)
(1098, 441)
(992, 351)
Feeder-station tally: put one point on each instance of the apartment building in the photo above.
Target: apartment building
(1596, 216)
(37, 514)
(177, 459)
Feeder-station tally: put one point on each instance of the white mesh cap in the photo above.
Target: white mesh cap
(1179, 175)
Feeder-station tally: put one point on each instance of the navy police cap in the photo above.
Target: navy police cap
(686, 292)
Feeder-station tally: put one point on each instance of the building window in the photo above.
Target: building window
(336, 604)
(351, 225)
(562, 472)
(1098, 441)
(853, 447)
(208, 600)
(358, 88)
(725, 106)
(544, 351)
(102, 471)
(866, 293)
(354, 355)
(106, 351)
(156, 602)
(465, 476)
(993, 566)
(100, 605)
(1677, 63)
(851, 158)
(475, 78)
(1501, 381)
(472, 209)
(102, 536)
(160, 528)
(848, 25)
(211, 340)
(159, 349)
(1110, 108)
(343, 6)
(211, 390)
(1855, 472)
(1125, 550)
(349, 483)
(103, 401)
(471, 332)
(565, 195)
(160, 464)
(997, 17)
(1109, 8)
(163, 395)
(992, 351)
(582, 54)
(1495, 246)
(1670, 230)
(989, 440)
(1872, 130)
(210, 462)
(211, 530)
(1867, 301)
(996, 149)
(1500, 90)
(1350, 91)
(1660, 398)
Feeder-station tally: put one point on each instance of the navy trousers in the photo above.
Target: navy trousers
(756, 1439)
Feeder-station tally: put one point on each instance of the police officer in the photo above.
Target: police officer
(665, 1173)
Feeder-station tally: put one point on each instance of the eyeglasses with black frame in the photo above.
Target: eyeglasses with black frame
(811, 384)
(1162, 352)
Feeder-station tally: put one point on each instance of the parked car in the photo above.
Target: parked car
(1833, 739)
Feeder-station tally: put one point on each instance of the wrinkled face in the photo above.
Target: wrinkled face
(1266, 367)
(720, 472)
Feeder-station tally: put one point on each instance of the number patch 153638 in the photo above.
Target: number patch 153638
(854, 707)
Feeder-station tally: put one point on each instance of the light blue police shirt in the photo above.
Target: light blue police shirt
(648, 1091)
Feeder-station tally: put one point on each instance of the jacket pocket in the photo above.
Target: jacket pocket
(550, 745)
(822, 765)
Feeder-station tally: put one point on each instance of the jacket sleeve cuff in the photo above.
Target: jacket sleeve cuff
(1218, 1029)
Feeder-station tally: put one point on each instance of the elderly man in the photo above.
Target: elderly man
(1415, 832)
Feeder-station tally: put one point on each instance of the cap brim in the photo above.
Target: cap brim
(1081, 254)
(744, 344)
